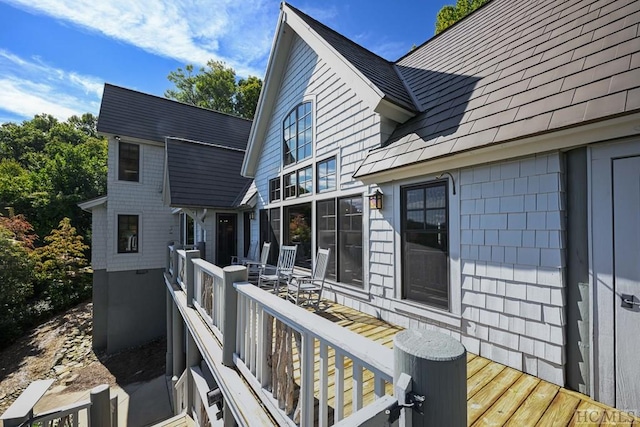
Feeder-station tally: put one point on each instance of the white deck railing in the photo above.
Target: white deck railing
(180, 393)
(268, 364)
(171, 267)
(305, 369)
(64, 416)
(182, 267)
(208, 294)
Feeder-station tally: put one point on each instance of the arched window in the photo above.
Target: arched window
(298, 134)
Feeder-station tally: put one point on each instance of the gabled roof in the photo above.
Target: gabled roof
(126, 112)
(380, 71)
(203, 175)
(373, 78)
(91, 204)
(512, 70)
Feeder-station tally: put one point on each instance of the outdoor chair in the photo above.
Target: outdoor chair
(252, 255)
(313, 284)
(255, 267)
(283, 270)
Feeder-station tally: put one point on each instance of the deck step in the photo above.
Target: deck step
(180, 420)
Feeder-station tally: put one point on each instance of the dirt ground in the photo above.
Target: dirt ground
(60, 349)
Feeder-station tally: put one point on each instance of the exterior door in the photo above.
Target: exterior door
(227, 239)
(626, 240)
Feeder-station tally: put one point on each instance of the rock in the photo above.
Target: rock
(60, 369)
(71, 379)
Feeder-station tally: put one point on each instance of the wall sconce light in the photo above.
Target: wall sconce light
(452, 180)
(252, 215)
(375, 200)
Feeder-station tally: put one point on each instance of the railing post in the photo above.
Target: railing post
(189, 277)
(100, 406)
(168, 361)
(174, 276)
(437, 364)
(168, 257)
(178, 340)
(232, 274)
(193, 359)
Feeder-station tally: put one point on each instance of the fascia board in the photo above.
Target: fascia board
(273, 77)
(369, 92)
(565, 139)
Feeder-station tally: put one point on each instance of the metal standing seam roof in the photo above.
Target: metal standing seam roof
(378, 70)
(126, 112)
(202, 175)
(516, 69)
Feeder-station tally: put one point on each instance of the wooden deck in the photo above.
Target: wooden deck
(496, 394)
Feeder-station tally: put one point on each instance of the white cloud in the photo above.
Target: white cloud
(29, 87)
(190, 31)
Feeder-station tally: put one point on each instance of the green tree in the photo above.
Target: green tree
(60, 266)
(47, 167)
(16, 276)
(215, 87)
(449, 15)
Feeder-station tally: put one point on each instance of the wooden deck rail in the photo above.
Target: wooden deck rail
(269, 328)
(208, 294)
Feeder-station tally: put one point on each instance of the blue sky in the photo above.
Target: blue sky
(55, 55)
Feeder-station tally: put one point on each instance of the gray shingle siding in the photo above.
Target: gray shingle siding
(512, 70)
(378, 70)
(126, 112)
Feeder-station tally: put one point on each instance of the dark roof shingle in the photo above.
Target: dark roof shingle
(202, 175)
(378, 70)
(126, 112)
(515, 69)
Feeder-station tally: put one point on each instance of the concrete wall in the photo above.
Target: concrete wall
(129, 308)
(100, 308)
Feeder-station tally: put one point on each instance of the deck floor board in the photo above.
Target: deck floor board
(496, 394)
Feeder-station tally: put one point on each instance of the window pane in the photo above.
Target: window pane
(327, 175)
(274, 189)
(415, 220)
(305, 180)
(297, 134)
(436, 197)
(437, 219)
(415, 199)
(326, 229)
(298, 231)
(290, 185)
(350, 241)
(128, 162)
(127, 233)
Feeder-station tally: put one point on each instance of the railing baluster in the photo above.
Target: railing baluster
(242, 300)
(339, 387)
(378, 386)
(259, 343)
(252, 337)
(247, 333)
(266, 351)
(357, 387)
(306, 379)
(323, 407)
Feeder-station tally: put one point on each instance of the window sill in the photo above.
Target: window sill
(347, 290)
(415, 309)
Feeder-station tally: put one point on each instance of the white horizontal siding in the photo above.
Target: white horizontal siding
(344, 126)
(142, 198)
